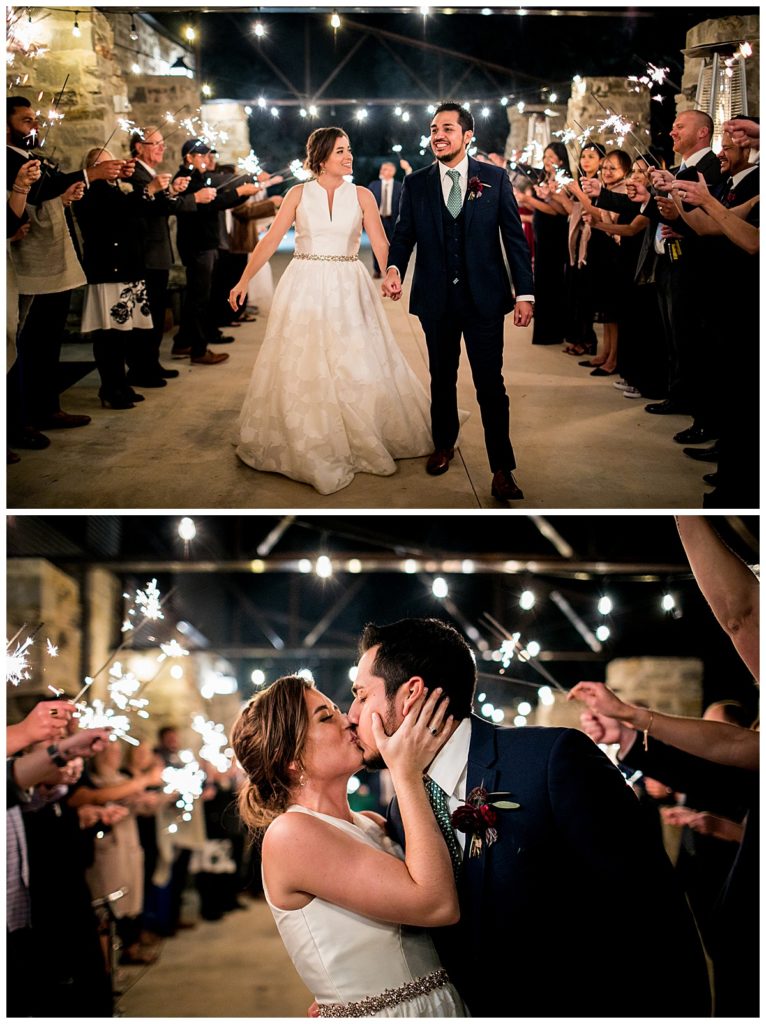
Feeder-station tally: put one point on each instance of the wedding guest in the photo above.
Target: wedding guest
(557, 796)
(116, 310)
(388, 195)
(47, 270)
(147, 146)
(549, 225)
(349, 906)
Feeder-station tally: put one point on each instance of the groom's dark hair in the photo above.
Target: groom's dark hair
(428, 648)
(465, 117)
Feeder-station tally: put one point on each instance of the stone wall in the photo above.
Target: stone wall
(100, 83)
(229, 116)
(717, 30)
(39, 594)
(153, 97)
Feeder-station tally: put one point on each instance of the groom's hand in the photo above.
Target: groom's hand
(522, 314)
(391, 286)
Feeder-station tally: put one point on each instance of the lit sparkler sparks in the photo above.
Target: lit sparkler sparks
(51, 650)
(172, 649)
(214, 741)
(745, 50)
(566, 135)
(299, 171)
(250, 164)
(17, 662)
(122, 687)
(187, 782)
(561, 178)
(98, 716)
(148, 601)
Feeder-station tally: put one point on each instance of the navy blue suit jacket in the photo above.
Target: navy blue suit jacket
(575, 910)
(396, 195)
(488, 219)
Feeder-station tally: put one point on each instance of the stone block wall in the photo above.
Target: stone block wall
(229, 116)
(38, 593)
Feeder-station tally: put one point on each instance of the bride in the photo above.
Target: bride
(331, 395)
(351, 908)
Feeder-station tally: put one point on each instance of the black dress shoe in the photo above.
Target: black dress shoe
(28, 438)
(147, 382)
(221, 339)
(695, 435)
(601, 372)
(703, 454)
(61, 420)
(166, 373)
(711, 479)
(587, 362)
(505, 487)
(439, 460)
(134, 395)
(666, 408)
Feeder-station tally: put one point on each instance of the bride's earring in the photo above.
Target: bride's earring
(301, 780)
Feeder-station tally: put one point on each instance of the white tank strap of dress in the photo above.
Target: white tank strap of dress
(390, 998)
(315, 256)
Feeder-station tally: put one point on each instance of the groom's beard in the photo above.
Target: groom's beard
(372, 760)
(445, 158)
(22, 141)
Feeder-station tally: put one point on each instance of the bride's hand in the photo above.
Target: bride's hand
(237, 296)
(414, 744)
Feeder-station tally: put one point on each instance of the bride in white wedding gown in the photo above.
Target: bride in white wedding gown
(331, 394)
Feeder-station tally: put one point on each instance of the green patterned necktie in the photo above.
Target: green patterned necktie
(438, 800)
(454, 199)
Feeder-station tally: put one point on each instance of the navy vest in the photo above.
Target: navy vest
(454, 249)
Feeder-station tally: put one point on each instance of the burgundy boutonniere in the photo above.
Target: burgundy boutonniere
(475, 187)
(477, 817)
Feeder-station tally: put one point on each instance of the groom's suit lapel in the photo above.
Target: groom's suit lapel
(436, 199)
(470, 204)
(482, 758)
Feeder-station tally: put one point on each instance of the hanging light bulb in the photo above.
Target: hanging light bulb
(485, 111)
(189, 34)
(361, 114)
(206, 90)
(527, 600)
(260, 31)
(313, 111)
(135, 67)
(274, 112)
(75, 27)
(406, 116)
(323, 568)
(303, 112)
(602, 633)
(261, 102)
(335, 20)
(668, 602)
(186, 529)
(133, 32)
(605, 605)
(439, 587)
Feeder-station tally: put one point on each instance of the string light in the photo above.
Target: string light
(274, 112)
(189, 34)
(303, 112)
(248, 111)
(533, 648)
(668, 602)
(75, 27)
(206, 90)
(186, 529)
(439, 587)
(406, 116)
(527, 600)
(135, 67)
(257, 677)
(323, 567)
(361, 114)
(602, 633)
(525, 708)
(335, 20)
(605, 605)
(259, 30)
(313, 111)
(133, 32)
(261, 102)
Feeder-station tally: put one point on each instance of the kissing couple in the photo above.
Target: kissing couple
(513, 873)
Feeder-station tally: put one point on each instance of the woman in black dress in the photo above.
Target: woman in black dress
(549, 224)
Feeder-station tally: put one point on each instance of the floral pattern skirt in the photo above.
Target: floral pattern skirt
(116, 306)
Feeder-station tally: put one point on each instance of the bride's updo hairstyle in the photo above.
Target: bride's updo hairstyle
(319, 145)
(267, 738)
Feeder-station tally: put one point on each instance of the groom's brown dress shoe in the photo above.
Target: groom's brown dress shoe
(438, 461)
(505, 487)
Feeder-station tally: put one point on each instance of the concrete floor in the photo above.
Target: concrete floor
(579, 443)
(236, 967)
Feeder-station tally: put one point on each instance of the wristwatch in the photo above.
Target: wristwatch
(56, 756)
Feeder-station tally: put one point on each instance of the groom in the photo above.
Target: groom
(457, 211)
(574, 910)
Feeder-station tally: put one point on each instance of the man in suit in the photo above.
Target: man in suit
(388, 194)
(148, 147)
(682, 275)
(198, 238)
(457, 211)
(531, 940)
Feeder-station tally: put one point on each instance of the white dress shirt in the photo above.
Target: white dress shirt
(386, 192)
(449, 769)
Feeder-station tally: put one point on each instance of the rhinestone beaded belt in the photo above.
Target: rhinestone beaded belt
(391, 997)
(314, 256)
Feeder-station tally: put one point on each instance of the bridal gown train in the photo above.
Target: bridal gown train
(359, 967)
(331, 394)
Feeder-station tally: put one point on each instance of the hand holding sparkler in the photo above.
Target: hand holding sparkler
(46, 721)
(128, 168)
(74, 193)
(247, 188)
(605, 730)
(662, 180)
(591, 187)
(637, 191)
(29, 173)
(179, 185)
(744, 133)
(159, 183)
(696, 193)
(84, 743)
(106, 170)
(205, 195)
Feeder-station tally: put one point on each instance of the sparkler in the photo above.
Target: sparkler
(187, 782)
(98, 716)
(51, 650)
(17, 662)
(55, 108)
(511, 642)
(214, 741)
(640, 147)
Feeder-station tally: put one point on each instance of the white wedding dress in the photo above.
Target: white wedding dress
(359, 967)
(331, 395)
